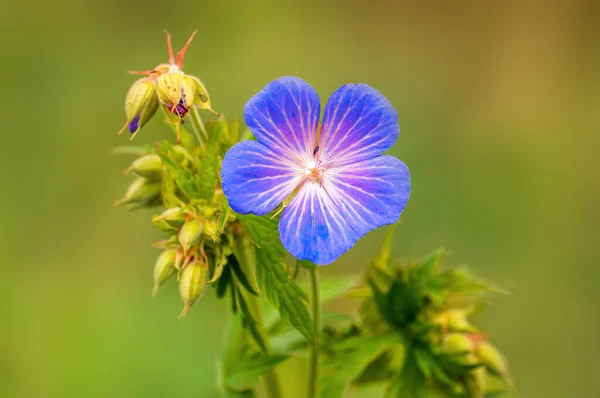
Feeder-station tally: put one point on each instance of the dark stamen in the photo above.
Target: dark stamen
(181, 109)
(316, 150)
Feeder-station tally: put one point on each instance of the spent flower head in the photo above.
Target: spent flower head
(343, 186)
(168, 85)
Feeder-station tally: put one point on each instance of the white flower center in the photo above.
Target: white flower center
(313, 172)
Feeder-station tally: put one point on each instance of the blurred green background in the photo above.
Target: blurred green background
(498, 107)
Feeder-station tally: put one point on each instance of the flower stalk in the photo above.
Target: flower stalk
(315, 299)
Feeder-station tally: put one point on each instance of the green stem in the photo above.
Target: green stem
(198, 125)
(245, 253)
(313, 376)
(232, 346)
(271, 380)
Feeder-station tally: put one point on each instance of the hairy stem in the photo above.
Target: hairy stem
(198, 125)
(271, 381)
(245, 253)
(313, 375)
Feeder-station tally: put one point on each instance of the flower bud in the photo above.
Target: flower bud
(176, 91)
(211, 230)
(190, 234)
(163, 269)
(141, 104)
(457, 321)
(191, 285)
(141, 191)
(458, 343)
(181, 155)
(491, 357)
(147, 166)
(161, 224)
(175, 216)
(476, 382)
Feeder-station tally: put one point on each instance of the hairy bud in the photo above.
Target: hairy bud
(140, 192)
(190, 234)
(211, 230)
(169, 220)
(163, 269)
(476, 382)
(457, 321)
(147, 166)
(191, 285)
(491, 357)
(458, 343)
(141, 104)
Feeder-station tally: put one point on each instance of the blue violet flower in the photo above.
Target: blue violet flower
(343, 187)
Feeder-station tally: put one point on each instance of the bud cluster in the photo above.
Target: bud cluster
(431, 309)
(196, 249)
(145, 190)
(196, 218)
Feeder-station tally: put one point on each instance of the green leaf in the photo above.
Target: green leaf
(424, 361)
(383, 258)
(287, 341)
(208, 163)
(410, 382)
(281, 290)
(332, 287)
(247, 135)
(167, 190)
(131, 150)
(307, 264)
(248, 371)
(232, 394)
(240, 275)
(183, 177)
(350, 360)
(234, 131)
(247, 319)
(223, 282)
(217, 263)
(223, 217)
(430, 265)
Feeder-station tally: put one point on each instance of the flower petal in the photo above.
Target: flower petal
(284, 116)
(255, 179)
(312, 227)
(371, 193)
(359, 123)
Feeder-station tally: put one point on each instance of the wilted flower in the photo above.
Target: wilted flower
(168, 85)
(344, 187)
